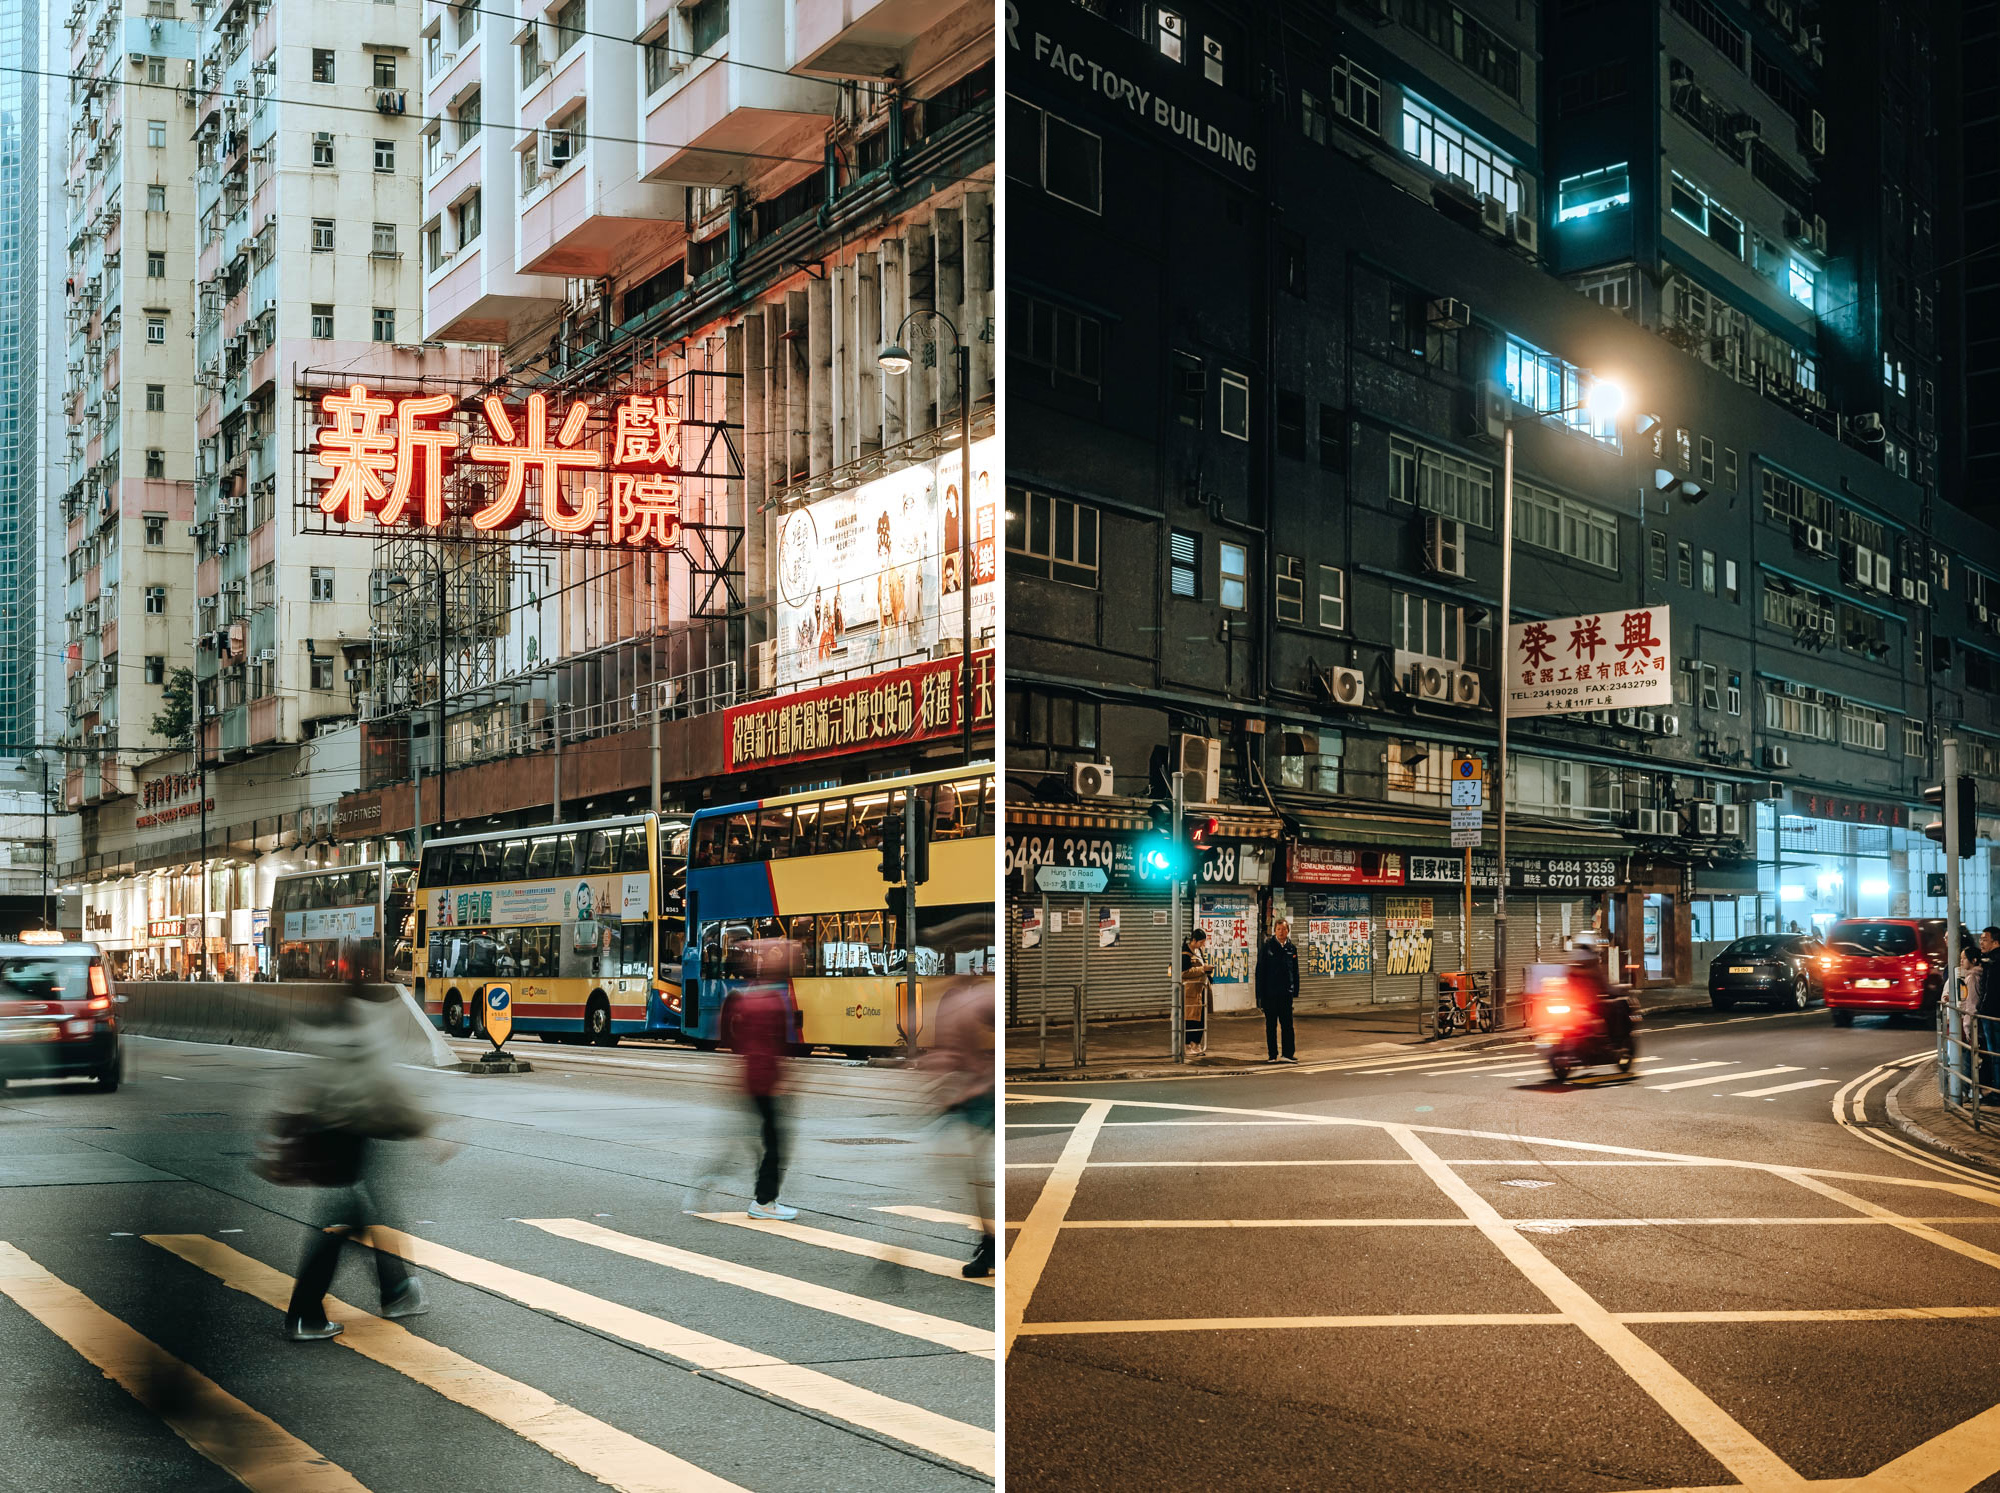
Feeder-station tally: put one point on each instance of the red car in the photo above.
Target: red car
(58, 1016)
(1883, 966)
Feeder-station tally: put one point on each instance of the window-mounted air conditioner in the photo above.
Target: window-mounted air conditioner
(1347, 686)
(1091, 779)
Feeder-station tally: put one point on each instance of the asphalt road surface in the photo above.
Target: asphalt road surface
(1441, 1270)
(603, 1314)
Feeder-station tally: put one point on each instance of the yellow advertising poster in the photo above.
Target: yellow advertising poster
(1409, 921)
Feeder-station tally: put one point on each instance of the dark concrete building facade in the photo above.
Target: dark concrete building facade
(1274, 282)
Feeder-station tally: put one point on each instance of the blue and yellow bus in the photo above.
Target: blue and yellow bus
(806, 868)
(581, 922)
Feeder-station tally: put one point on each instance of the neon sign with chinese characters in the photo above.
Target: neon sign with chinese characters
(387, 460)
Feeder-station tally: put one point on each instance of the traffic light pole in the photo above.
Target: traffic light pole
(1178, 1022)
(1951, 853)
(910, 863)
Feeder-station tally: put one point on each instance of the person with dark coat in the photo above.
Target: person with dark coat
(1277, 988)
(1989, 1011)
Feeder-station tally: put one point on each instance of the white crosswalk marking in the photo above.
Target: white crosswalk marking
(1694, 1083)
(1690, 1067)
(931, 1215)
(853, 1244)
(1784, 1088)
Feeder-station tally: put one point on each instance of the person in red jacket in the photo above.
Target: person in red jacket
(756, 1026)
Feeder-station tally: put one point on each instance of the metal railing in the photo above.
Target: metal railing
(1968, 1057)
(1077, 1040)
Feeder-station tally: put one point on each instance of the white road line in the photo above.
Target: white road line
(1690, 1067)
(1695, 1083)
(1784, 1088)
(1036, 1239)
(853, 1244)
(932, 1215)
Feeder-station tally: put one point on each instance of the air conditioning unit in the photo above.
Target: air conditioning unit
(1463, 687)
(356, 676)
(1869, 425)
(1648, 722)
(1444, 545)
(1522, 230)
(1648, 821)
(1704, 817)
(1090, 779)
(1427, 681)
(1778, 757)
(1347, 686)
(1601, 717)
(1909, 589)
(1882, 581)
(1864, 565)
(1670, 725)
(267, 655)
(1731, 821)
(1670, 823)
(1493, 216)
(1923, 593)
(137, 59)
(1201, 758)
(1449, 314)
(1816, 539)
(100, 730)
(1628, 716)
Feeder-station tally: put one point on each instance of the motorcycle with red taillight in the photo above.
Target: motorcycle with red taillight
(1578, 1022)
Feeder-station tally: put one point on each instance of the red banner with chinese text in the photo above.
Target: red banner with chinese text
(858, 715)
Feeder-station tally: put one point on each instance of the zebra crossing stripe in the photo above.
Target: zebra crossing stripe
(853, 1244)
(252, 1448)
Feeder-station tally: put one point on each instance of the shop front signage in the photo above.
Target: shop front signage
(1341, 865)
(1526, 872)
(1031, 848)
(1848, 810)
(858, 715)
(1339, 935)
(165, 928)
(169, 799)
(1600, 661)
(386, 461)
(1410, 921)
(358, 815)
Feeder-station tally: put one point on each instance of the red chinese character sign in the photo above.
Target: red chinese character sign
(386, 460)
(1599, 661)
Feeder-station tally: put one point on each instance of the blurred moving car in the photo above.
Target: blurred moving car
(58, 1015)
(1772, 967)
(1883, 966)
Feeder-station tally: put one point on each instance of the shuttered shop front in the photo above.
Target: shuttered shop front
(1119, 948)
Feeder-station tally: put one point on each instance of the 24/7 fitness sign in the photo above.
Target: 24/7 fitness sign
(386, 462)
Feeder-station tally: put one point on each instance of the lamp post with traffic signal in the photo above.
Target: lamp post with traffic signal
(1957, 801)
(906, 865)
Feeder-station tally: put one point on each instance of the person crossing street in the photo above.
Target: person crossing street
(1277, 988)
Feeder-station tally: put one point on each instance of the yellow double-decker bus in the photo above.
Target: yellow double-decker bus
(581, 922)
(807, 868)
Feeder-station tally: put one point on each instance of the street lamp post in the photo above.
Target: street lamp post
(895, 360)
(402, 584)
(1607, 401)
(41, 760)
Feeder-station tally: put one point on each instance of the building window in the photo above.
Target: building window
(1729, 468)
(1454, 152)
(1551, 521)
(1730, 588)
(1056, 722)
(322, 65)
(1705, 464)
(1427, 626)
(322, 670)
(468, 118)
(1913, 739)
(1051, 537)
(1068, 161)
(322, 235)
(1288, 586)
(465, 22)
(1062, 347)
(156, 600)
(383, 245)
(707, 23)
(322, 321)
(156, 264)
(322, 147)
(156, 668)
(1357, 95)
(1309, 757)
(467, 216)
(156, 398)
(322, 583)
(1233, 562)
(1734, 699)
(1800, 279)
(1863, 728)
(156, 330)
(1169, 33)
(1184, 565)
(1190, 389)
(156, 198)
(1708, 572)
(1461, 36)
(1332, 438)
(1551, 385)
(1412, 331)
(1798, 710)
(385, 69)
(1290, 414)
(1332, 598)
(1686, 565)
(385, 155)
(1703, 213)
(156, 529)
(1593, 192)
(1790, 502)
(1211, 60)
(156, 133)
(385, 324)
(1439, 482)
(156, 462)
(156, 70)
(1234, 418)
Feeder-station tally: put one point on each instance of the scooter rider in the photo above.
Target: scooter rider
(1589, 977)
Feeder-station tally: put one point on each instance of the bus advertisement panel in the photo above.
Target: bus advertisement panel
(806, 869)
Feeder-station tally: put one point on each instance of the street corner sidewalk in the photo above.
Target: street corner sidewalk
(1141, 1048)
(1919, 1111)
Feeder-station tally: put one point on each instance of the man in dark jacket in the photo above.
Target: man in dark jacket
(1277, 988)
(1988, 1036)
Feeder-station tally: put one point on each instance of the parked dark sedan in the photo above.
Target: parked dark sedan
(1773, 967)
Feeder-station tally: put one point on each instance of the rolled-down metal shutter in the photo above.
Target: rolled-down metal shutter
(1131, 978)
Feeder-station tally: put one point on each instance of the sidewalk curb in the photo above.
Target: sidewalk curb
(1253, 1066)
(1921, 1134)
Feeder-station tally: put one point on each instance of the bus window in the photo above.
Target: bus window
(738, 843)
(673, 945)
(636, 956)
(986, 804)
(832, 827)
(566, 854)
(513, 859)
(707, 842)
(461, 865)
(633, 856)
(542, 858)
(867, 822)
(774, 834)
(599, 851)
(437, 865)
(804, 935)
(954, 811)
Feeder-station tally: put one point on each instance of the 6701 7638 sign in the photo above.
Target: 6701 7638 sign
(1599, 661)
(386, 460)
(857, 715)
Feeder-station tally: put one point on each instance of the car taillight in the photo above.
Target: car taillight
(99, 985)
(1557, 1008)
(1921, 966)
(98, 1003)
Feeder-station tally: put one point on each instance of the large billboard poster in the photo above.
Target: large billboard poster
(868, 578)
(1603, 661)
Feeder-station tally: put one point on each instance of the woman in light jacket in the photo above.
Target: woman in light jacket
(1195, 975)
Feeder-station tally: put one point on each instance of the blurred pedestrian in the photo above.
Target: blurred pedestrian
(353, 1099)
(1196, 973)
(756, 1022)
(1277, 988)
(964, 1052)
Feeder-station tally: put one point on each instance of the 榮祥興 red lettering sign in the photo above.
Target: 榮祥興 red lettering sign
(387, 459)
(902, 705)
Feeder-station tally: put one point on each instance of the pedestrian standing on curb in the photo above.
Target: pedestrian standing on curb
(1195, 973)
(1988, 1065)
(1277, 988)
(1964, 1023)
(755, 1026)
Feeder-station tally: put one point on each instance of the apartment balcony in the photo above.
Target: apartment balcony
(712, 124)
(881, 38)
(475, 297)
(582, 222)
